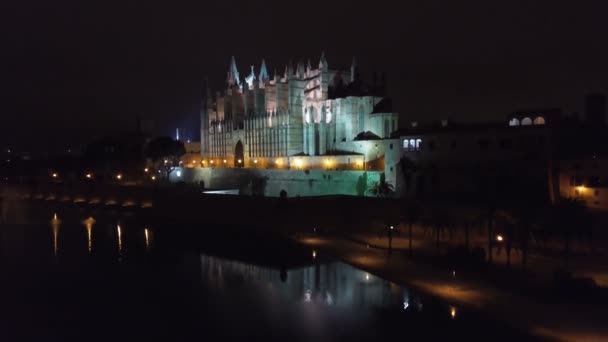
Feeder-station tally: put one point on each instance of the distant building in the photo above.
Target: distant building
(595, 109)
(586, 177)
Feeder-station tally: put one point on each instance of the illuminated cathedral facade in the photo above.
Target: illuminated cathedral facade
(303, 112)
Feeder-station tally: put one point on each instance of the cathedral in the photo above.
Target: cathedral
(304, 111)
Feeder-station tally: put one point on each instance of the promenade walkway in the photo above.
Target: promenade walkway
(551, 319)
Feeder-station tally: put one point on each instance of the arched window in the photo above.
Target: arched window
(526, 121)
(514, 122)
(539, 120)
(412, 144)
(405, 144)
(418, 141)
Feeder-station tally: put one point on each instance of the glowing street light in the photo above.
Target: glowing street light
(119, 176)
(453, 312)
(211, 162)
(89, 176)
(166, 161)
(392, 227)
(153, 177)
(239, 161)
(499, 238)
(314, 254)
(255, 161)
(225, 161)
(54, 175)
(146, 170)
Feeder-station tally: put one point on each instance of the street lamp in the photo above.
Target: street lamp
(146, 170)
(54, 175)
(89, 176)
(119, 176)
(499, 238)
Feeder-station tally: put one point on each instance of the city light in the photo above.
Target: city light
(153, 177)
(225, 161)
(392, 227)
(239, 161)
(366, 276)
(146, 170)
(89, 176)
(278, 162)
(119, 176)
(166, 161)
(178, 173)
(255, 161)
(359, 163)
(499, 238)
(314, 254)
(54, 175)
(211, 162)
(453, 312)
(298, 162)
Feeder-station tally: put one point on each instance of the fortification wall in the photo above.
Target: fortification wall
(272, 182)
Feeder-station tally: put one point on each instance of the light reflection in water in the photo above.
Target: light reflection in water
(147, 235)
(119, 235)
(320, 284)
(88, 223)
(55, 222)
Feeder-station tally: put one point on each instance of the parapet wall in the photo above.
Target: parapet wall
(271, 182)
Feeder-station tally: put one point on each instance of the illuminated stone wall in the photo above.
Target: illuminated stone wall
(294, 182)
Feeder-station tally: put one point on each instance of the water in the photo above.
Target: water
(73, 274)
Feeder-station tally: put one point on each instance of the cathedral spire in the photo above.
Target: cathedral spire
(263, 72)
(323, 62)
(249, 79)
(308, 68)
(233, 73)
(354, 70)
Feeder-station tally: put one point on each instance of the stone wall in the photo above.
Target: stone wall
(272, 182)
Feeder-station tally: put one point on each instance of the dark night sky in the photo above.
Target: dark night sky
(74, 71)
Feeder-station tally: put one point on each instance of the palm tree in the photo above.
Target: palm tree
(382, 188)
(568, 218)
(440, 221)
(411, 215)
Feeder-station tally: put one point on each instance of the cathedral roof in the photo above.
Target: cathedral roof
(384, 106)
(367, 135)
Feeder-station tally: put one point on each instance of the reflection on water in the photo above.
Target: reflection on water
(333, 283)
(88, 223)
(147, 236)
(119, 244)
(171, 279)
(55, 222)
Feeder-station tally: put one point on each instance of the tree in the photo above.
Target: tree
(361, 187)
(382, 188)
(408, 169)
(569, 217)
(165, 154)
(411, 215)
